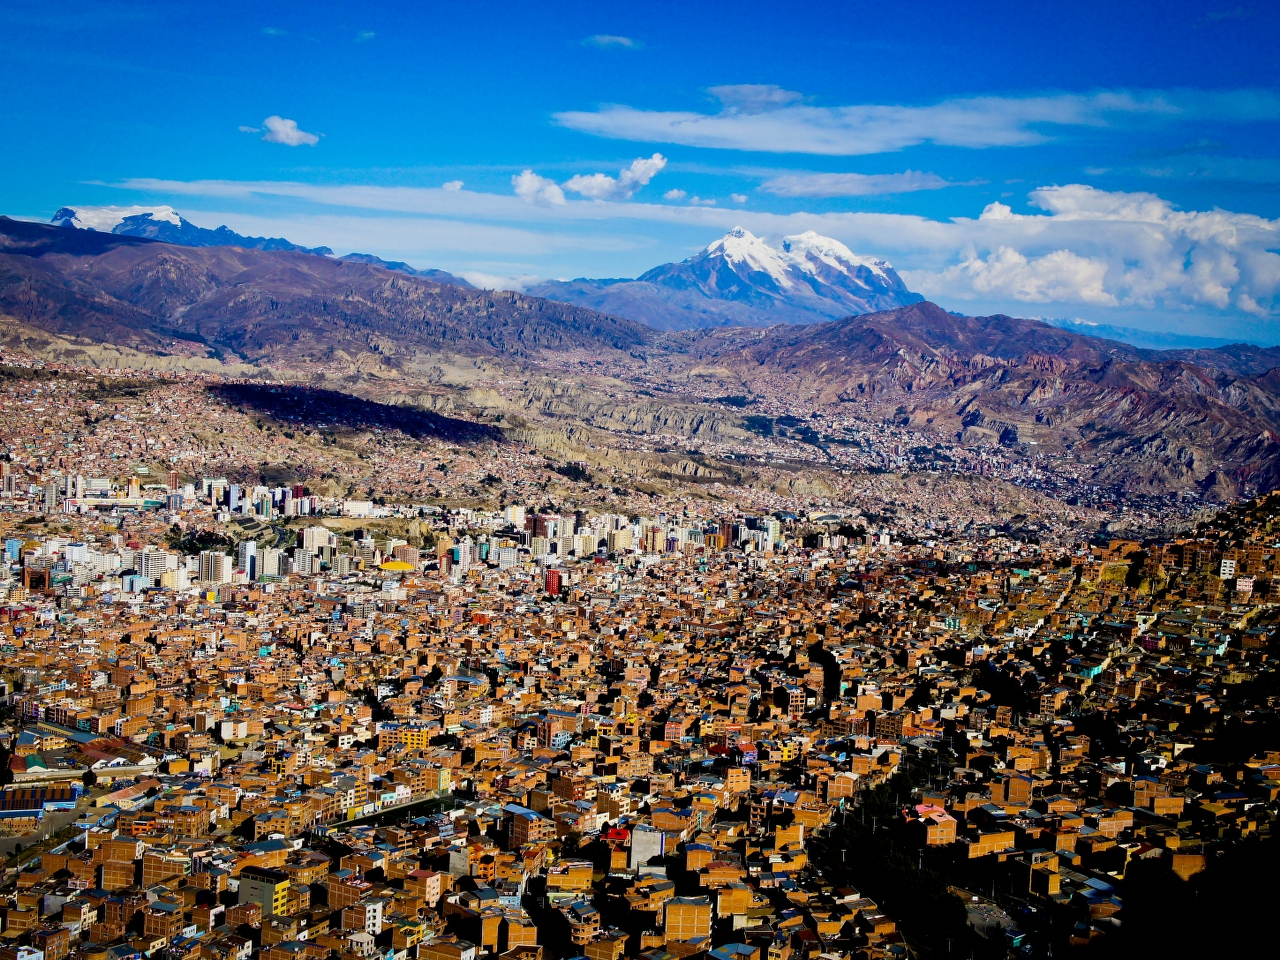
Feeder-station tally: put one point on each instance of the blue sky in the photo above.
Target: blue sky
(1114, 162)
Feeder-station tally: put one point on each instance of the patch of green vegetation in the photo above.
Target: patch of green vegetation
(194, 541)
(118, 389)
(573, 471)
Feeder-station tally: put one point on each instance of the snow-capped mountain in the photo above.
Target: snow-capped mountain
(741, 279)
(164, 223)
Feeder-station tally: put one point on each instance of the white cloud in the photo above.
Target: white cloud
(699, 202)
(772, 120)
(852, 184)
(754, 97)
(600, 186)
(490, 281)
(532, 188)
(612, 40)
(674, 195)
(364, 36)
(452, 185)
(244, 129)
(1057, 277)
(1114, 249)
(738, 197)
(280, 130)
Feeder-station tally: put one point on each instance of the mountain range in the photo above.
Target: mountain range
(1152, 421)
(741, 280)
(276, 307)
(168, 226)
(736, 280)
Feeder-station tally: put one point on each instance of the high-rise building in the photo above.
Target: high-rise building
(247, 558)
(269, 562)
(50, 492)
(215, 567)
(553, 582)
(313, 538)
(151, 563)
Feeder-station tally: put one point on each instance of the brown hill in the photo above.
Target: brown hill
(279, 306)
(1155, 420)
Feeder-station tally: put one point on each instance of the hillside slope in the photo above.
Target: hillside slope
(1157, 420)
(277, 306)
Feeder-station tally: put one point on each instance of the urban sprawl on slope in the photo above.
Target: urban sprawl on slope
(255, 719)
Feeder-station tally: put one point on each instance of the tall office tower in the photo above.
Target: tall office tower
(269, 562)
(215, 567)
(247, 558)
(151, 563)
(50, 497)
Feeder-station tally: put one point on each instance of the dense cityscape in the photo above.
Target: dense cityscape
(387, 693)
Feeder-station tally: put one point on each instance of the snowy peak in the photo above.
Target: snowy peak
(739, 247)
(804, 278)
(164, 223)
(809, 251)
(108, 219)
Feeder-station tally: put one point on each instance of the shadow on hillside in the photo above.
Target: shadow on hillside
(321, 409)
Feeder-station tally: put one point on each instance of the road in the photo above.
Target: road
(405, 811)
(53, 822)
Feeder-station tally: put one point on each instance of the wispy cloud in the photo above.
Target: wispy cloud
(281, 130)
(604, 40)
(674, 195)
(1236, 13)
(1202, 146)
(364, 36)
(752, 98)
(770, 119)
(600, 186)
(852, 184)
(453, 185)
(274, 31)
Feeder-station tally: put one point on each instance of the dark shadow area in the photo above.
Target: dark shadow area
(310, 407)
